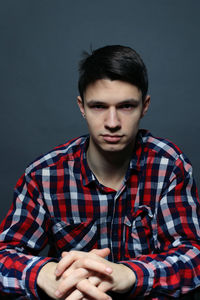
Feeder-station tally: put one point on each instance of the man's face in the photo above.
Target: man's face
(113, 110)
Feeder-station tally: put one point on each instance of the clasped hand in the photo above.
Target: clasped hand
(85, 275)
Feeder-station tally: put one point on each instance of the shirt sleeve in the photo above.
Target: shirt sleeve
(172, 269)
(23, 234)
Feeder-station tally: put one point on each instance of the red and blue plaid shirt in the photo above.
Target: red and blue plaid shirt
(151, 223)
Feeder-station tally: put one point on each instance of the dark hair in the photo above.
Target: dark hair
(115, 63)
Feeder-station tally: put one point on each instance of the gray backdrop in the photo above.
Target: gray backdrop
(40, 46)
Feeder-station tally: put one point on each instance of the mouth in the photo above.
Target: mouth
(109, 138)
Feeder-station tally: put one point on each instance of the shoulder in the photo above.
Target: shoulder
(163, 148)
(160, 146)
(64, 152)
(164, 153)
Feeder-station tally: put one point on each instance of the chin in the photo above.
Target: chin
(113, 148)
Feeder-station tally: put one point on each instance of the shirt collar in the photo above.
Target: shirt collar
(86, 172)
(137, 160)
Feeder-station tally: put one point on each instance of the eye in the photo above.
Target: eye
(97, 106)
(126, 106)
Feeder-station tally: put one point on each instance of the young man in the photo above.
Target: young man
(118, 208)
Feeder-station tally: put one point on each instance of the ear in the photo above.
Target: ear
(81, 105)
(146, 104)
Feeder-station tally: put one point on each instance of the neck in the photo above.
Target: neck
(109, 167)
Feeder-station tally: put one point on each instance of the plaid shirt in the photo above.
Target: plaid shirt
(150, 224)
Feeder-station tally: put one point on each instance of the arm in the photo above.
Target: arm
(22, 236)
(173, 267)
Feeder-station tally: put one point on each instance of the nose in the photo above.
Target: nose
(112, 120)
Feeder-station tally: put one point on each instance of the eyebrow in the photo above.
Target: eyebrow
(130, 101)
(126, 101)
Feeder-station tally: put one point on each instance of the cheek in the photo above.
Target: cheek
(94, 121)
(93, 124)
(131, 123)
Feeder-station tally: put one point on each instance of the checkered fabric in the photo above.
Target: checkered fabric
(151, 223)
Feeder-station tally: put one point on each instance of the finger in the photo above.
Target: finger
(63, 254)
(92, 291)
(66, 261)
(91, 265)
(101, 252)
(75, 295)
(66, 285)
(79, 259)
(94, 280)
(105, 286)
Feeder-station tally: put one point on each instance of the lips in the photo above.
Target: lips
(112, 138)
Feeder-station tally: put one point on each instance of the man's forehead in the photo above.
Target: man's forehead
(107, 90)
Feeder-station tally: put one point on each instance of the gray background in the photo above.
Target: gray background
(40, 46)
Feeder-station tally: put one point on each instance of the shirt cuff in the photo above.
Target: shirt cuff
(144, 278)
(30, 275)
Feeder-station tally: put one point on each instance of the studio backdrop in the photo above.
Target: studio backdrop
(41, 43)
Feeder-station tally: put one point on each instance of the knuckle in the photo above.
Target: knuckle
(82, 285)
(65, 275)
(72, 253)
(87, 262)
(94, 280)
(84, 261)
(81, 272)
(64, 253)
